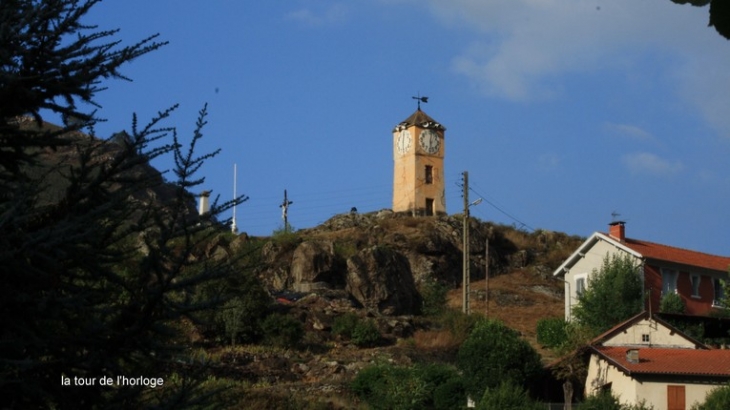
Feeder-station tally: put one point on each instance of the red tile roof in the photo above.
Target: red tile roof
(689, 362)
(678, 255)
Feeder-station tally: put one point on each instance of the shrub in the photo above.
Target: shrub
(494, 353)
(371, 385)
(507, 396)
(458, 323)
(717, 399)
(239, 319)
(551, 332)
(286, 237)
(282, 330)
(365, 333)
(433, 295)
(614, 295)
(385, 386)
(451, 394)
(671, 303)
(345, 324)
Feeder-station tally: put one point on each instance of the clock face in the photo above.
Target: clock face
(430, 141)
(403, 144)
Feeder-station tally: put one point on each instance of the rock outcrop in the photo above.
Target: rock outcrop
(380, 279)
(380, 259)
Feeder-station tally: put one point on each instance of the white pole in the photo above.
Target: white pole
(234, 228)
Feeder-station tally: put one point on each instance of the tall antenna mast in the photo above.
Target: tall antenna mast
(234, 228)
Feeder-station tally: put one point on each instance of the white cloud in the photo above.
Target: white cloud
(647, 163)
(630, 131)
(523, 47)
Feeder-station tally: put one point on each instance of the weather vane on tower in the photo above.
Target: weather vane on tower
(420, 100)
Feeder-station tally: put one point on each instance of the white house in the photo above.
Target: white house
(695, 276)
(646, 359)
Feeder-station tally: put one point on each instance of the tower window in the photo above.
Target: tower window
(429, 174)
(429, 206)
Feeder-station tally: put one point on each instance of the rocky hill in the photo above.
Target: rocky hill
(377, 266)
(381, 259)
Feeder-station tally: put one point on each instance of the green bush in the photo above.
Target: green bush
(371, 385)
(616, 293)
(507, 396)
(607, 401)
(458, 323)
(493, 354)
(362, 332)
(239, 319)
(717, 399)
(385, 386)
(451, 394)
(365, 333)
(601, 401)
(671, 303)
(345, 324)
(433, 295)
(282, 330)
(286, 237)
(551, 332)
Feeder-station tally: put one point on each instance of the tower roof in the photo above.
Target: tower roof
(420, 119)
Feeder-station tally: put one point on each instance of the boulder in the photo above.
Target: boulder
(314, 266)
(380, 279)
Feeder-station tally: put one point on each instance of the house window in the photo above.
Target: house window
(429, 206)
(429, 174)
(669, 281)
(719, 294)
(695, 279)
(645, 338)
(580, 285)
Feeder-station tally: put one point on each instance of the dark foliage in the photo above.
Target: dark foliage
(494, 353)
(282, 330)
(551, 332)
(429, 386)
(719, 14)
(96, 249)
(614, 294)
(508, 396)
(717, 399)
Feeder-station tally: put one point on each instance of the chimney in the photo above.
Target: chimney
(204, 206)
(632, 356)
(617, 230)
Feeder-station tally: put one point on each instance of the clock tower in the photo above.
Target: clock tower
(418, 171)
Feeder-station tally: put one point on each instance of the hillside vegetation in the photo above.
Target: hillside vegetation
(381, 268)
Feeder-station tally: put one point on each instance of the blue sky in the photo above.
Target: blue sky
(562, 111)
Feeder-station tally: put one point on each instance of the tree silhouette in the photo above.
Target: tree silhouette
(719, 14)
(96, 248)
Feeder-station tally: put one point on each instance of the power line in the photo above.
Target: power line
(507, 214)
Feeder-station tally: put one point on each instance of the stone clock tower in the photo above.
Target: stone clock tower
(418, 172)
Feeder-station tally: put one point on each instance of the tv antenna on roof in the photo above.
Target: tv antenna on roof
(614, 216)
(420, 100)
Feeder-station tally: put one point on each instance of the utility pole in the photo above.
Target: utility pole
(285, 212)
(465, 247)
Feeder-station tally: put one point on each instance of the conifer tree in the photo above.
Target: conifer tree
(96, 247)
